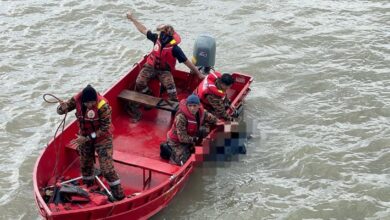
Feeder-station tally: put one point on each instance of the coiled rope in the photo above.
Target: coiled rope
(57, 148)
(61, 125)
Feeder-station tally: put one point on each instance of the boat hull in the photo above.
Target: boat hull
(149, 181)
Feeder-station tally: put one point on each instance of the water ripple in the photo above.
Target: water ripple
(321, 98)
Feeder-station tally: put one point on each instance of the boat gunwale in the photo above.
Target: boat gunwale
(176, 178)
(44, 209)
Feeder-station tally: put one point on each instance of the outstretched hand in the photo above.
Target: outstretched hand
(129, 15)
(62, 108)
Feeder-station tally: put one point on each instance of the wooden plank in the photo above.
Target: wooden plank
(157, 102)
(139, 97)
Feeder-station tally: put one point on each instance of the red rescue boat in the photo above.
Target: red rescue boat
(149, 182)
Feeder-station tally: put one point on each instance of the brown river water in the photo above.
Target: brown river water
(320, 103)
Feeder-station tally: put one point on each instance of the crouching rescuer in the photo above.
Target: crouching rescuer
(212, 93)
(184, 133)
(94, 120)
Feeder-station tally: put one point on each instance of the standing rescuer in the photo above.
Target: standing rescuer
(162, 59)
(94, 119)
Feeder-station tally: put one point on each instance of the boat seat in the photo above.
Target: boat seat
(141, 162)
(145, 162)
(157, 102)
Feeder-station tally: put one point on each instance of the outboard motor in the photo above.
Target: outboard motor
(204, 53)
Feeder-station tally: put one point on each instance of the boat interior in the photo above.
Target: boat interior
(136, 144)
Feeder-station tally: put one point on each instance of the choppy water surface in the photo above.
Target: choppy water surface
(321, 98)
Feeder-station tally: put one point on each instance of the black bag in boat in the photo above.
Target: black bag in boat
(165, 151)
(73, 193)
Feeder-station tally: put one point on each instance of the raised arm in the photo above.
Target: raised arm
(141, 28)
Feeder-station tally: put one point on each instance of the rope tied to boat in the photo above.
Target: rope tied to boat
(61, 125)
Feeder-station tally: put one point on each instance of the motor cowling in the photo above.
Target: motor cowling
(204, 53)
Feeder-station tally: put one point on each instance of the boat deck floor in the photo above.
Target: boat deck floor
(137, 150)
(142, 138)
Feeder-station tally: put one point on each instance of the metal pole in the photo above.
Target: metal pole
(104, 187)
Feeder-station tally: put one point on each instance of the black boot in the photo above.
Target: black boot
(117, 192)
(133, 110)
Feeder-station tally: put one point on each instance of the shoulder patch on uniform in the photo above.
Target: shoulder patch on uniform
(101, 103)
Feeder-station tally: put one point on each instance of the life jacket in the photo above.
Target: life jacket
(192, 124)
(89, 122)
(207, 87)
(161, 58)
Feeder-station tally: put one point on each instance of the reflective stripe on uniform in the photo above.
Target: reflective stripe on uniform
(88, 177)
(116, 182)
(171, 90)
(88, 119)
